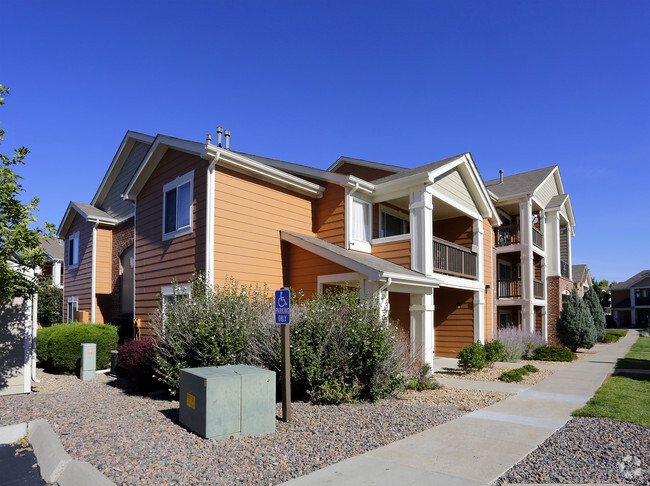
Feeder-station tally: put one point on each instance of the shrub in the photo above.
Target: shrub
(610, 338)
(553, 353)
(135, 360)
(597, 314)
(62, 347)
(617, 332)
(518, 344)
(342, 349)
(472, 357)
(495, 351)
(42, 337)
(530, 368)
(50, 305)
(575, 326)
(517, 374)
(423, 380)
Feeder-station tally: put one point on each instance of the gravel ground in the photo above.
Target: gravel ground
(588, 450)
(492, 374)
(138, 440)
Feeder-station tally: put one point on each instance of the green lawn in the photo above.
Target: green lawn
(617, 332)
(624, 397)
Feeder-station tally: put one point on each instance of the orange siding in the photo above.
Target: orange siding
(453, 328)
(399, 311)
(488, 252)
(458, 230)
(362, 172)
(397, 252)
(304, 267)
(103, 261)
(159, 262)
(77, 282)
(249, 215)
(330, 215)
(538, 320)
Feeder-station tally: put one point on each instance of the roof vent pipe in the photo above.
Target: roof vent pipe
(208, 139)
(501, 176)
(227, 136)
(219, 132)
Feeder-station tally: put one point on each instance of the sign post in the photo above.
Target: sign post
(283, 317)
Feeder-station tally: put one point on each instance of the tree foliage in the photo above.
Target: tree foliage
(20, 248)
(50, 305)
(596, 311)
(575, 326)
(601, 287)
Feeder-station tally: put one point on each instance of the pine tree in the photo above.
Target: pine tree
(596, 311)
(575, 326)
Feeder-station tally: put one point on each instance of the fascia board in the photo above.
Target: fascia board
(263, 171)
(364, 163)
(118, 161)
(423, 281)
(307, 171)
(363, 185)
(371, 273)
(65, 224)
(491, 208)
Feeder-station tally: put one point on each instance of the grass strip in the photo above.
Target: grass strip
(624, 397)
(616, 332)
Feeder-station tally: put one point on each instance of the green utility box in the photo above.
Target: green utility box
(221, 402)
(88, 361)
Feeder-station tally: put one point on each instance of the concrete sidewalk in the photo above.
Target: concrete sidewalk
(479, 447)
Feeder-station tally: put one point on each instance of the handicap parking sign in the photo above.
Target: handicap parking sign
(282, 308)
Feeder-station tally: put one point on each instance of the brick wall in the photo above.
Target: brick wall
(122, 239)
(555, 287)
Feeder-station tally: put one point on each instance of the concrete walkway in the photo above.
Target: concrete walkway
(479, 447)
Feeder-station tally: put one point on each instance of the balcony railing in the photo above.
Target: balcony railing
(508, 289)
(453, 259)
(538, 238)
(564, 269)
(506, 235)
(538, 289)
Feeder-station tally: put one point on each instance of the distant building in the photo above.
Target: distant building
(631, 300)
(582, 278)
(55, 251)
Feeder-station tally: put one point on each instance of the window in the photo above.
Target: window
(73, 250)
(360, 220)
(172, 294)
(73, 309)
(393, 223)
(177, 206)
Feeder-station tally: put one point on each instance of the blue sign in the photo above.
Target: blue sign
(282, 308)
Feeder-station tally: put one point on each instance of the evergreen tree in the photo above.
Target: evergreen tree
(596, 311)
(575, 326)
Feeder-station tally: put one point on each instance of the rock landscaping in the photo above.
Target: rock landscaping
(133, 439)
(493, 374)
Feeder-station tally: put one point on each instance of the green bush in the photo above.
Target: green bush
(595, 309)
(61, 350)
(517, 374)
(553, 353)
(50, 305)
(610, 338)
(423, 380)
(472, 357)
(495, 351)
(617, 332)
(530, 368)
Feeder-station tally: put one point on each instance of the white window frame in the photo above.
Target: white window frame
(356, 243)
(173, 291)
(175, 184)
(404, 216)
(74, 254)
(71, 300)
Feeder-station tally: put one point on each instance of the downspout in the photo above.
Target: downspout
(93, 275)
(34, 335)
(209, 224)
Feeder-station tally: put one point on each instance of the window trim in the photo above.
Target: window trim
(177, 290)
(71, 300)
(74, 255)
(175, 184)
(403, 215)
(355, 243)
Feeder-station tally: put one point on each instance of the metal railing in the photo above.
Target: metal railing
(538, 238)
(564, 269)
(508, 289)
(538, 289)
(506, 235)
(453, 259)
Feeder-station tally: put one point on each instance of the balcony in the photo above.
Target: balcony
(538, 238)
(538, 289)
(564, 269)
(508, 289)
(506, 235)
(452, 259)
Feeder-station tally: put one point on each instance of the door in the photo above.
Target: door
(126, 281)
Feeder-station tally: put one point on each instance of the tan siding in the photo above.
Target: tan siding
(453, 328)
(488, 252)
(546, 191)
(77, 282)
(249, 215)
(399, 311)
(330, 215)
(159, 262)
(398, 252)
(103, 261)
(304, 267)
(453, 186)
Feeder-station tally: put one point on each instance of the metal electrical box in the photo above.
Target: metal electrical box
(88, 361)
(221, 402)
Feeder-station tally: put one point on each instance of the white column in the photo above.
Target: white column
(568, 250)
(479, 316)
(479, 297)
(421, 222)
(56, 274)
(545, 323)
(527, 266)
(552, 242)
(422, 338)
(633, 305)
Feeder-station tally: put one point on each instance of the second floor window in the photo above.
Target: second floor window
(360, 220)
(73, 250)
(177, 206)
(393, 225)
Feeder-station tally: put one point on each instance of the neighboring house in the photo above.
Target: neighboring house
(419, 240)
(582, 278)
(532, 267)
(631, 300)
(53, 267)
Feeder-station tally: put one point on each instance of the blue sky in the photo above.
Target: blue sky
(519, 84)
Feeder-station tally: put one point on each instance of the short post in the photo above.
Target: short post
(114, 358)
(283, 317)
(88, 361)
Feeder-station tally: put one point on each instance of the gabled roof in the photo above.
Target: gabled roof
(88, 212)
(365, 163)
(422, 169)
(579, 272)
(519, 184)
(373, 267)
(556, 202)
(303, 170)
(53, 247)
(631, 281)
